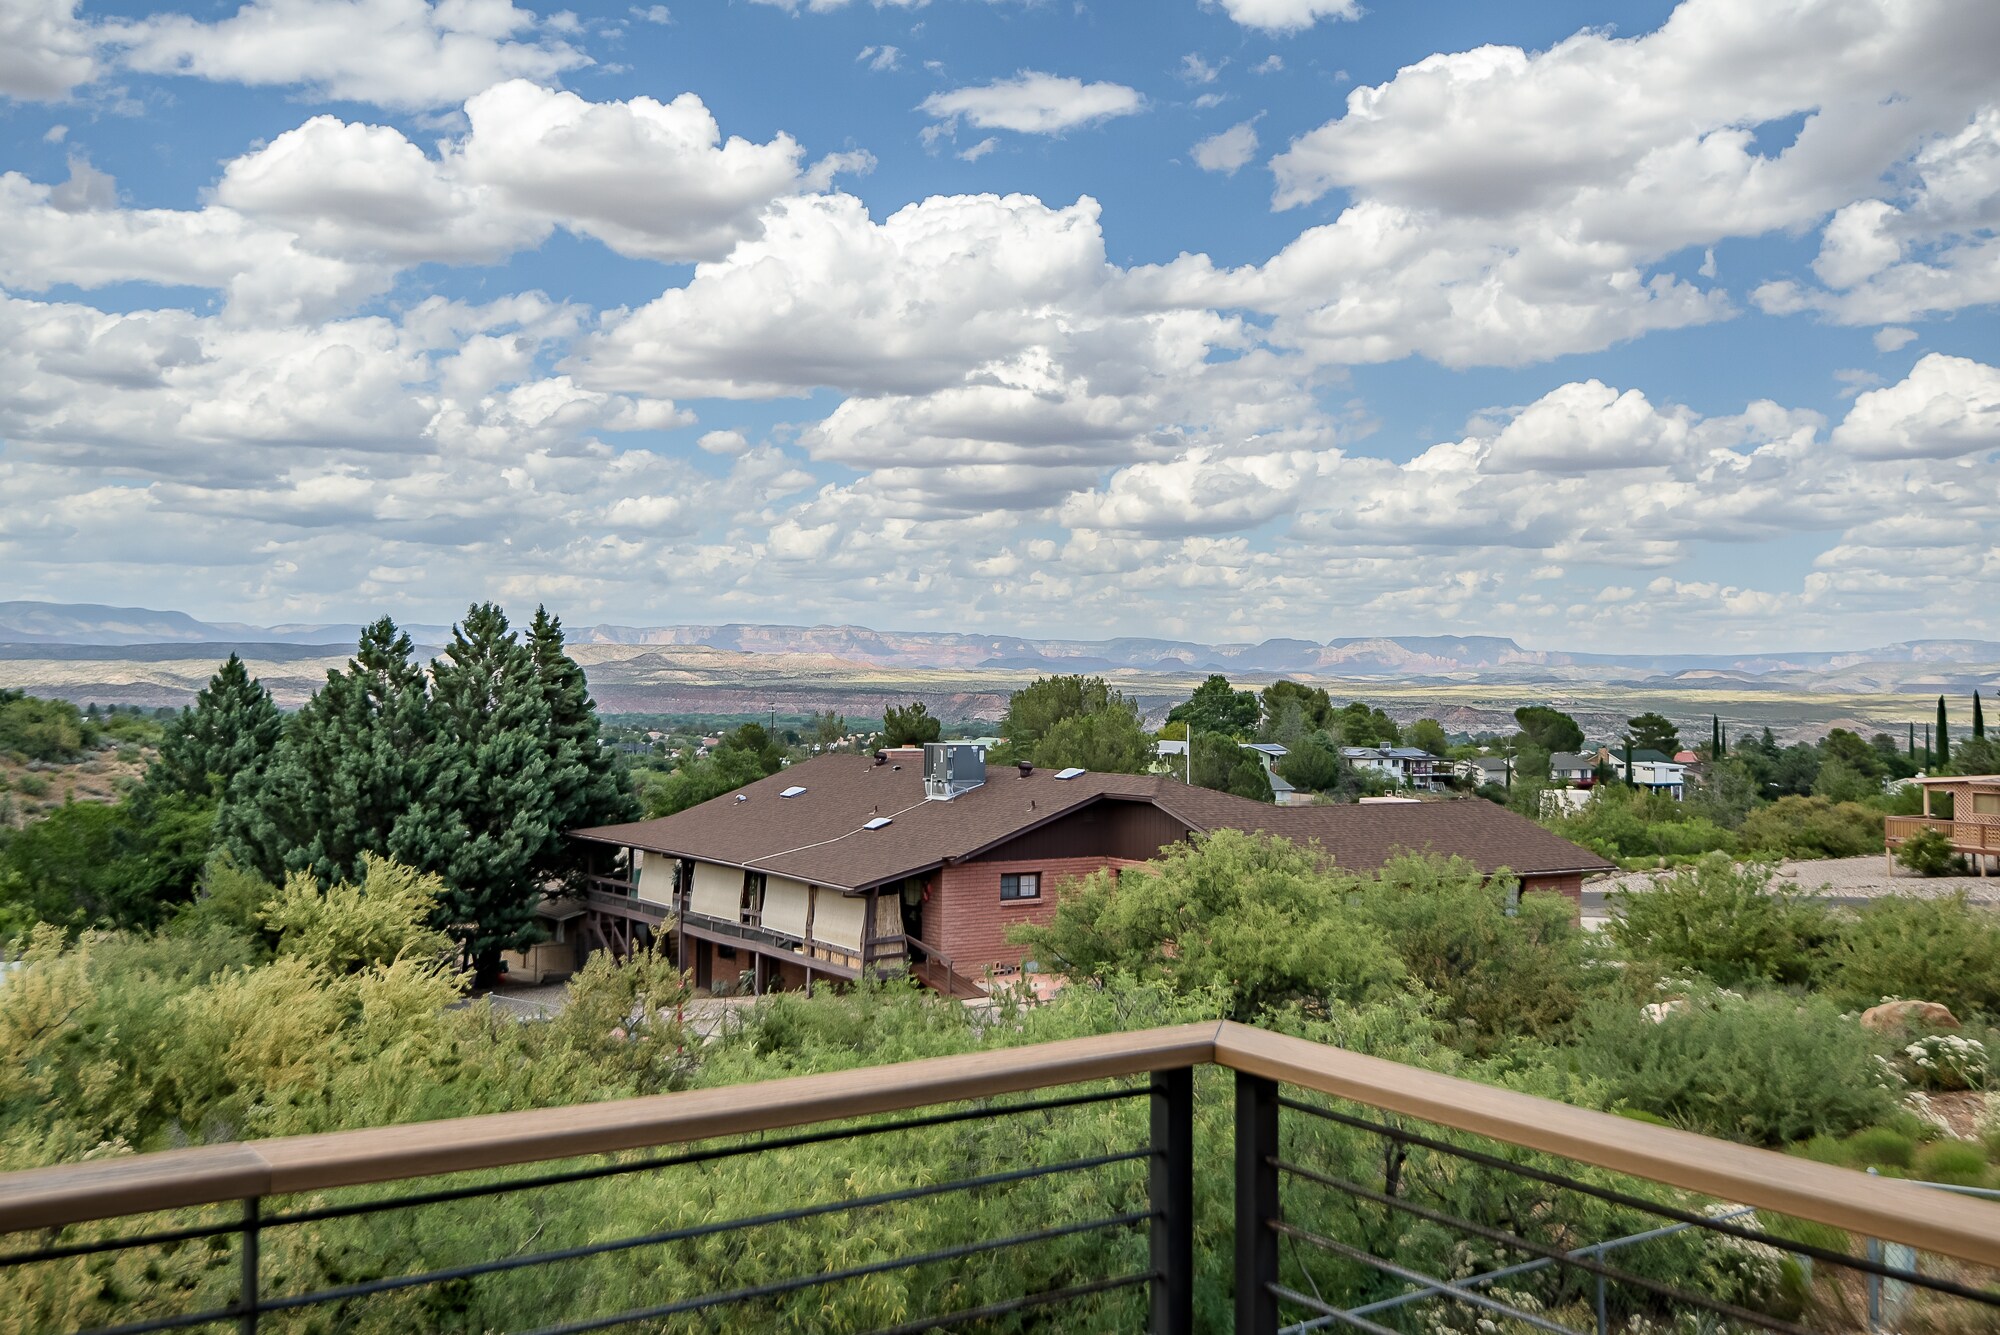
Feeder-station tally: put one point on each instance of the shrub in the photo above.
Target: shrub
(1767, 1069)
(1962, 1162)
(1498, 969)
(32, 785)
(1622, 824)
(1882, 1147)
(1725, 921)
(1942, 950)
(1947, 1062)
(1928, 852)
(1812, 827)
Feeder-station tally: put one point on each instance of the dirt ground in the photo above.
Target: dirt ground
(27, 792)
(1841, 878)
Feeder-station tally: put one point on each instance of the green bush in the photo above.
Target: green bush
(1725, 921)
(1768, 1069)
(1812, 827)
(1500, 970)
(1882, 1147)
(1624, 824)
(32, 785)
(40, 729)
(1942, 950)
(1962, 1162)
(1928, 852)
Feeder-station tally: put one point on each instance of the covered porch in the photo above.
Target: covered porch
(1965, 809)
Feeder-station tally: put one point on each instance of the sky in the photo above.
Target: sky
(1608, 326)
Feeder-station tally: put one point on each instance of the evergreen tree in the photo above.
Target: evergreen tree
(348, 770)
(1715, 737)
(232, 728)
(1978, 718)
(488, 823)
(910, 725)
(599, 794)
(1943, 740)
(1913, 743)
(1217, 707)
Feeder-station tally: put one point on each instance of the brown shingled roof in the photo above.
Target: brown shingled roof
(818, 836)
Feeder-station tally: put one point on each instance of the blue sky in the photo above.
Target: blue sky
(1605, 326)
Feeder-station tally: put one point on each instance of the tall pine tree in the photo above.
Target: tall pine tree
(487, 816)
(349, 769)
(1943, 741)
(590, 787)
(232, 728)
(1978, 718)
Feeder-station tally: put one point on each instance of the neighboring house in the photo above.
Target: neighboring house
(1577, 769)
(918, 861)
(1974, 827)
(1652, 770)
(1404, 764)
(1486, 769)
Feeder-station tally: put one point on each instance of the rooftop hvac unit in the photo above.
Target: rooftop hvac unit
(951, 768)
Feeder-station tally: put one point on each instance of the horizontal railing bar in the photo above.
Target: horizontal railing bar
(1597, 1249)
(447, 1195)
(1712, 1223)
(1881, 1208)
(206, 1175)
(1046, 1299)
(1560, 1257)
(475, 1269)
(1435, 1286)
(1291, 1295)
(778, 1288)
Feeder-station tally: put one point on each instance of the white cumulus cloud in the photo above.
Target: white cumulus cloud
(1035, 103)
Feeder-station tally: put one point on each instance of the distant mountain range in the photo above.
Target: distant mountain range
(64, 630)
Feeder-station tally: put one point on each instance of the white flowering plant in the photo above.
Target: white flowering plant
(1946, 1062)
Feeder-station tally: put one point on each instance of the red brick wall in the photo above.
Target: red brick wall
(968, 921)
(1569, 887)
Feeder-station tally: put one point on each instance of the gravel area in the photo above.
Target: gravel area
(1841, 878)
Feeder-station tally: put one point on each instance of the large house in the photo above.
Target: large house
(919, 860)
(1654, 771)
(1405, 764)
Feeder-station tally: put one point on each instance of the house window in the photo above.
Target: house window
(1026, 885)
(753, 898)
(1986, 804)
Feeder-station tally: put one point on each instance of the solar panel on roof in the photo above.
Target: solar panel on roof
(1071, 773)
(792, 791)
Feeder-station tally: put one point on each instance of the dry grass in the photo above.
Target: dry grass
(103, 776)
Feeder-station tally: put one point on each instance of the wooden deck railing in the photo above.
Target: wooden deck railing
(1966, 836)
(1264, 1063)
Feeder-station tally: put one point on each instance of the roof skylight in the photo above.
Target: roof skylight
(877, 823)
(1071, 773)
(794, 791)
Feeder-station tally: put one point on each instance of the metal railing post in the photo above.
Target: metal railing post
(1171, 1186)
(1257, 1204)
(250, 1259)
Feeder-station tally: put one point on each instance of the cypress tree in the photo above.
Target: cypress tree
(1715, 737)
(347, 771)
(1978, 718)
(232, 728)
(1943, 741)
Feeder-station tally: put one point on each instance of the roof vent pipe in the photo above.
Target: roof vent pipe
(1026, 767)
(881, 757)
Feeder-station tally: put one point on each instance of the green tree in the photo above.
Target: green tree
(1036, 708)
(1217, 707)
(1427, 734)
(1840, 781)
(1978, 718)
(909, 725)
(1259, 921)
(1653, 732)
(35, 729)
(723, 771)
(1314, 765)
(828, 729)
(232, 728)
(1976, 756)
(752, 739)
(488, 822)
(351, 766)
(1225, 765)
(1361, 726)
(1549, 729)
(1943, 738)
(1109, 741)
(1287, 709)
(1729, 922)
(590, 787)
(88, 864)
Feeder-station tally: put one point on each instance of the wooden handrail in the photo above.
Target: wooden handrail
(206, 1175)
(1876, 1207)
(1929, 1220)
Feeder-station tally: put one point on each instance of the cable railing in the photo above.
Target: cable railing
(1050, 1186)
